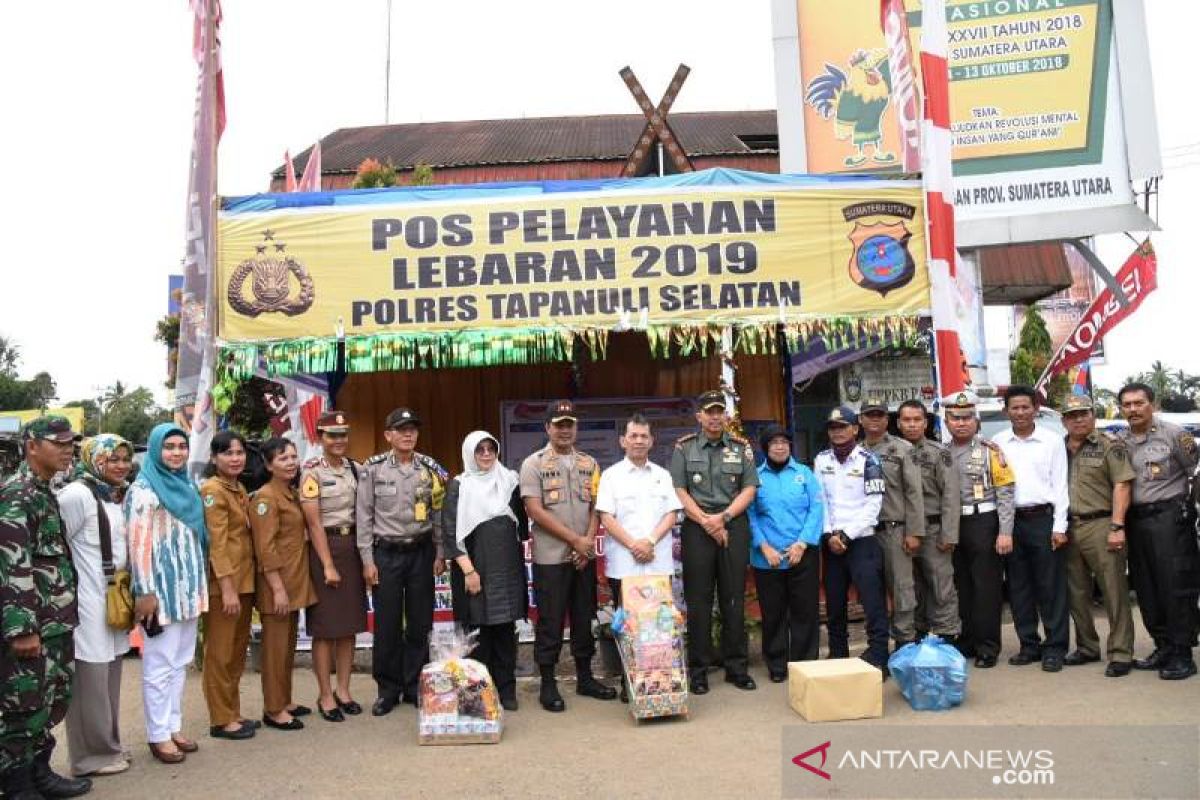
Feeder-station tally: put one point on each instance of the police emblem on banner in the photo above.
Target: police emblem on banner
(278, 282)
(880, 260)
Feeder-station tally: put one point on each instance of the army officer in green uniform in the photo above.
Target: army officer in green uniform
(714, 476)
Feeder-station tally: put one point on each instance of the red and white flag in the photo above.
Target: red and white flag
(289, 172)
(311, 182)
(1137, 278)
(894, 22)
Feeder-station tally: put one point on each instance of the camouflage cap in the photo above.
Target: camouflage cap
(51, 428)
(333, 422)
(842, 415)
(711, 399)
(1078, 402)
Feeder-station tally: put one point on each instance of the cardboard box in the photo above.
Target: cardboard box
(835, 689)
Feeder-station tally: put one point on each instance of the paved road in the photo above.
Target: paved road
(731, 746)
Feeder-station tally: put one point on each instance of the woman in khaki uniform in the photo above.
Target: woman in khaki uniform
(230, 587)
(283, 585)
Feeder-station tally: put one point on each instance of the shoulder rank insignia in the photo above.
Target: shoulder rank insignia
(377, 458)
(432, 465)
(682, 440)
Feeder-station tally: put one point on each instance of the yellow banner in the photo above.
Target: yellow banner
(1028, 83)
(679, 255)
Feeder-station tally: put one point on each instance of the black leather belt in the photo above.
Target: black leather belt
(1035, 511)
(340, 530)
(933, 517)
(1150, 509)
(1091, 515)
(402, 546)
(886, 523)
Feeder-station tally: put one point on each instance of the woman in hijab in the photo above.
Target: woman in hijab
(168, 554)
(483, 525)
(93, 731)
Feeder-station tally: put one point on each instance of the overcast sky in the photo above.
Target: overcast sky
(98, 103)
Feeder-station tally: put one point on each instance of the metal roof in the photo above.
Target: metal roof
(533, 140)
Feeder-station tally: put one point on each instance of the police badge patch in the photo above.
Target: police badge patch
(261, 509)
(209, 500)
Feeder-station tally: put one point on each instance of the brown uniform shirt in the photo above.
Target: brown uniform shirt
(903, 498)
(567, 486)
(1099, 464)
(280, 538)
(940, 483)
(335, 490)
(1163, 459)
(230, 545)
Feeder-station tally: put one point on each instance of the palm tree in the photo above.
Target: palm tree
(112, 396)
(10, 356)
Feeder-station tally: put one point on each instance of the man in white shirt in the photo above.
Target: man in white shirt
(852, 486)
(1036, 568)
(638, 506)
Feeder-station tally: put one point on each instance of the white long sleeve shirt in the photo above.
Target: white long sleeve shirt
(1039, 463)
(853, 491)
(639, 497)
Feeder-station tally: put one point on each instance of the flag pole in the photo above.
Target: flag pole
(387, 70)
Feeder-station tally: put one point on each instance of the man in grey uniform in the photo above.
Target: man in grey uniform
(1164, 566)
(984, 530)
(933, 566)
(901, 521)
(398, 509)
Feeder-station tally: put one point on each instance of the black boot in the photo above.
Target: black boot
(587, 685)
(549, 697)
(52, 785)
(18, 784)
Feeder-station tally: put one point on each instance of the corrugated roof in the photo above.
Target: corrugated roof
(530, 141)
(1023, 273)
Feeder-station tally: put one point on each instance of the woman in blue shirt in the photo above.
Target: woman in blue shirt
(785, 536)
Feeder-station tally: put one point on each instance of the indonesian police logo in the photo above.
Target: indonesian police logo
(273, 280)
(879, 260)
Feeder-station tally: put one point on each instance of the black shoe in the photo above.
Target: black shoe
(699, 682)
(1077, 657)
(1176, 670)
(1156, 660)
(244, 732)
(291, 725)
(333, 715)
(253, 723)
(50, 784)
(509, 703)
(383, 705)
(624, 692)
(778, 677)
(1024, 658)
(348, 707)
(743, 682)
(1053, 663)
(985, 662)
(300, 711)
(410, 699)
(588, 686)
(1117, 669)
(18, 785)
(549, 697)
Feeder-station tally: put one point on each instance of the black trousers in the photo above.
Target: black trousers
(790, 600)
(1037, 586)
(403, 601)
(562, 590)
(496, 649)
(705, 564)
(1164, 569)
(979, 579)
(862, 565)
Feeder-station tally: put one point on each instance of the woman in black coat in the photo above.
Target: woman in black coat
(483, 525)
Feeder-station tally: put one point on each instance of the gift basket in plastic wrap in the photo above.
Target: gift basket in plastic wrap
(932, 674)
(459, 703)
(649, 633)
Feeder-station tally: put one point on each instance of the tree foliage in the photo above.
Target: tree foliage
(1174, 389)
(373, 175)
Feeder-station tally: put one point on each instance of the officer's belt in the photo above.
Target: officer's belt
(978, 508)
(1141, 510)
(1039, 510)
(1091, 515)
(402, 545)
(884, 523)
(340, 530)
(933, 517)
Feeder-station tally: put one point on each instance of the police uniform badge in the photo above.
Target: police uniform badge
(209, 500)
(261, 509)
(310, 489)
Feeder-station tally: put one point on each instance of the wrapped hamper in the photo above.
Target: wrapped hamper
(932, 675)
(459, 703)
(650, 641)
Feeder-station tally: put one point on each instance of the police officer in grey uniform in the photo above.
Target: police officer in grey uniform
(901, 525)
(398, 508)
(985, 529)
(558, 486)
(1164, 566)
(933, 566)
(715, 478)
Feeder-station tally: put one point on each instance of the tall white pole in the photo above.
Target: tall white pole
(387, 74)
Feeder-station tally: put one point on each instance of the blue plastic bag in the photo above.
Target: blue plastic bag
(932, 674)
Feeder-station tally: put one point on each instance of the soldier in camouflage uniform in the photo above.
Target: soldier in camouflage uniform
(38, 611)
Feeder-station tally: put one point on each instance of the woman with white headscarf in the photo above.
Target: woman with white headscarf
(483, 525)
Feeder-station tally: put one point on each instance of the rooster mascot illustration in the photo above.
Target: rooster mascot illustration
(857, 98)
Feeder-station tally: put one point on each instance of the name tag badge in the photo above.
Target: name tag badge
(855, 473)
(978, 491)
(385, 490)
(420, 513)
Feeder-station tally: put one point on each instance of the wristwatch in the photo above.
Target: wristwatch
(725, 517)
(1117, 526)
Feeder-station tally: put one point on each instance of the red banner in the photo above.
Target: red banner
(1138, 277)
